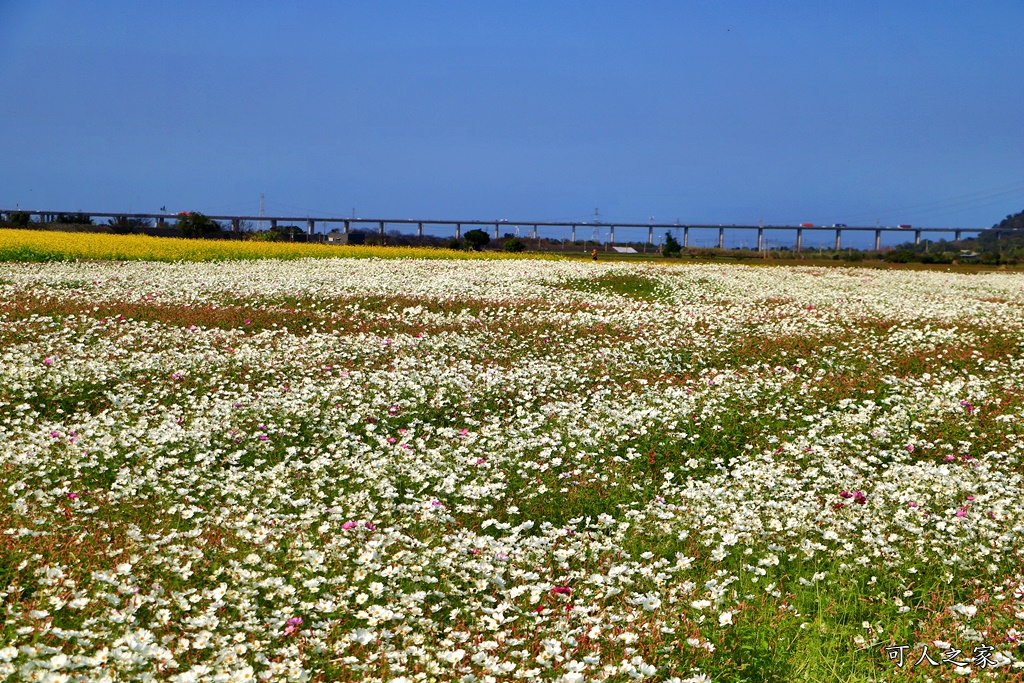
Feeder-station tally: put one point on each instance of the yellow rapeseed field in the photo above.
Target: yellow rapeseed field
(39, 245)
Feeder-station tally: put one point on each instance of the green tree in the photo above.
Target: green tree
(671, 246)
(477, 239)
(20, 219)
(74, 219)
(194, 224)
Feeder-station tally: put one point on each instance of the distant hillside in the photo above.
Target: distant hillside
(1014, 222)
(1002, 244)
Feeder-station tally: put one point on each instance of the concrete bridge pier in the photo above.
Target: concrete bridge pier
(839, 239)
(381, 228)
(273, 224)
(347, 224)
(878, 240)
(721, 238)
(686, 237)
(917, 237)
(458, 231)
(611, 235)
(958, 235)
(310, 226)
(650, 235)
(760, 239)
(419, 229)
(236, 224)
(573, 235)
(799, 239)
(496, 231)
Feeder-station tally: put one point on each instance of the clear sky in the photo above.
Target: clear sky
(697, 111)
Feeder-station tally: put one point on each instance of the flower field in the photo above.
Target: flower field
(38, 245)
(500, 470)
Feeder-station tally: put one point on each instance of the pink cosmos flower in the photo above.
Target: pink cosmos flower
(48, 361)
(293, 625)
(561, 590)
(348, 525)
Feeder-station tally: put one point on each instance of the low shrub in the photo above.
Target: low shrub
(514, 245)
(900, 256)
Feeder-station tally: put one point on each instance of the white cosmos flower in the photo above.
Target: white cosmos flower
(362, 636)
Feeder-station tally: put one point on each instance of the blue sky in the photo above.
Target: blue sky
(702, 111)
